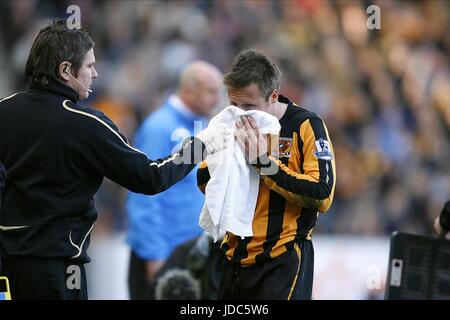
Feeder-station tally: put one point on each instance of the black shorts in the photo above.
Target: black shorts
(45, 278)
(286, 277)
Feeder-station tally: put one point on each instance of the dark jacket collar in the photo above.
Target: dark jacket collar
(59, 89)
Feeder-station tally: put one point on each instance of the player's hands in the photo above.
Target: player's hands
(251, 141)
(215, 138)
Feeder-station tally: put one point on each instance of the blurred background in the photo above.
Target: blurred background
(384, 95)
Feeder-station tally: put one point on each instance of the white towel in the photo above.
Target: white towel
(232, 191)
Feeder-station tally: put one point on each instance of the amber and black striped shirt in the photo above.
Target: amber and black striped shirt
(290, 200)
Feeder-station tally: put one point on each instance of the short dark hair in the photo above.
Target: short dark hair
(54, 44)
(251, 66)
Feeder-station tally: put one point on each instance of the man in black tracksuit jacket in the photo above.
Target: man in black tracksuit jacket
(56, 154)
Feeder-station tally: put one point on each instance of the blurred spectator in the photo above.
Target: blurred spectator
(159, 223)
(177, 284)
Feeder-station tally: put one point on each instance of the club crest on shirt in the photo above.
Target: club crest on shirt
(323, 150)
(284, 148)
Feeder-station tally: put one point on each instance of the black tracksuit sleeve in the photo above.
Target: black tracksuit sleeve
(110, 154)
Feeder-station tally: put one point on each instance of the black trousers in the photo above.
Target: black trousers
(45, 278)
(138, 284)
(286, 277)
